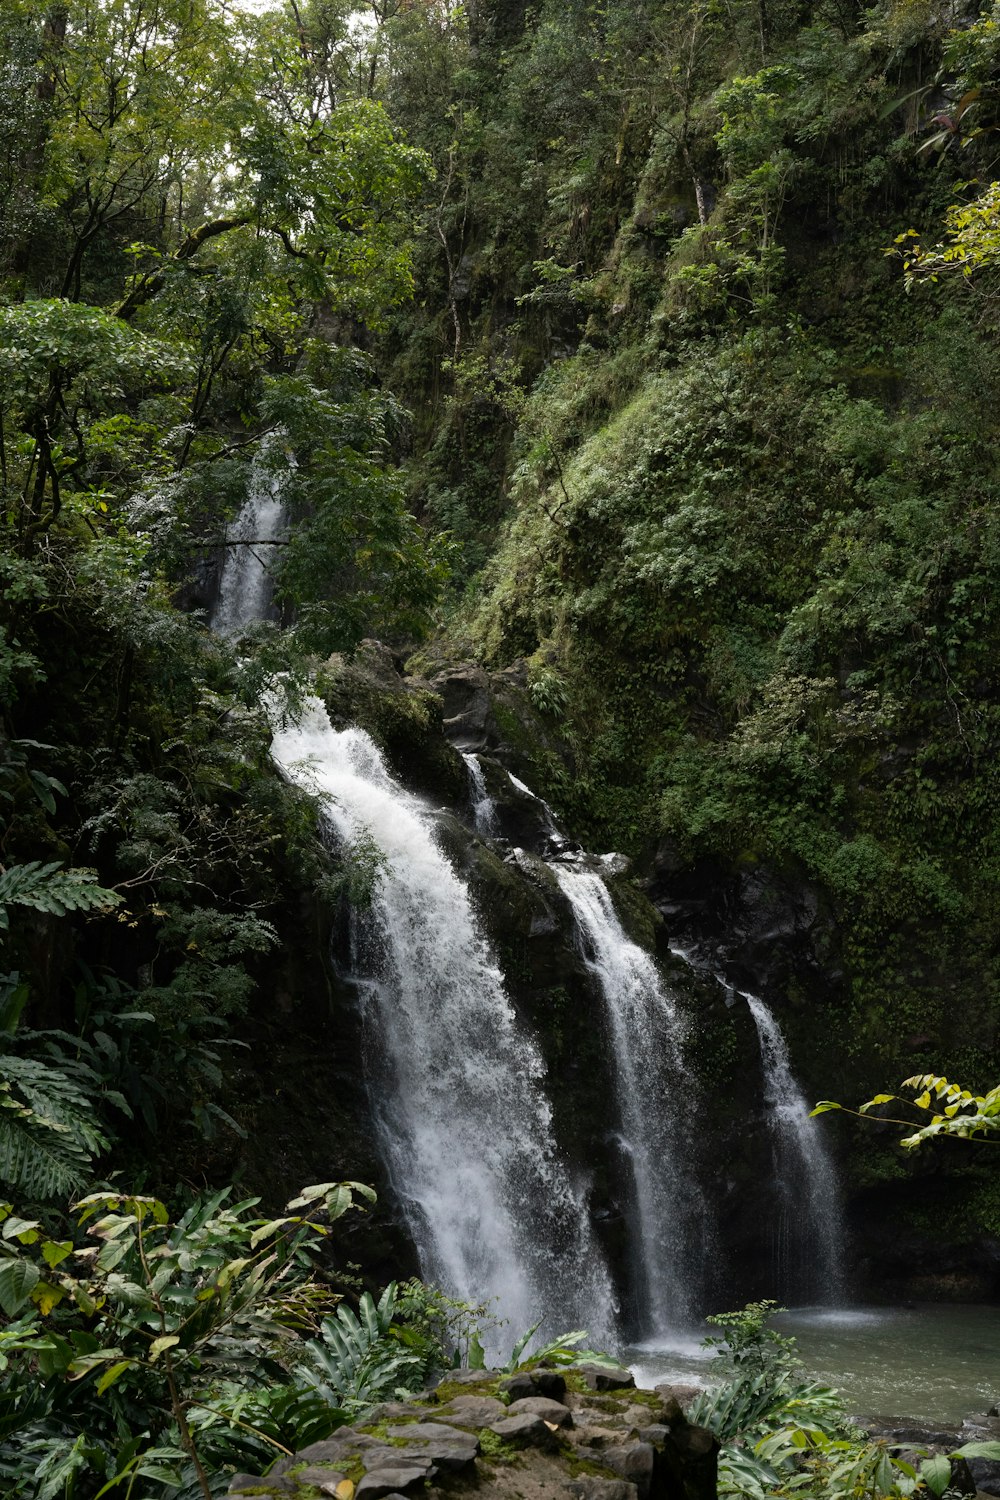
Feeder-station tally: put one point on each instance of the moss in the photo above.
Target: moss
(579, 1467)
(493, 1447)
(380, 1430)
(448, 1390)
(643, 1398)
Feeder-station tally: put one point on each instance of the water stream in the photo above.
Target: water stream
(654, 1094)
(457, 1083)
(807, 1223)
(808, 1231)
(484, 808)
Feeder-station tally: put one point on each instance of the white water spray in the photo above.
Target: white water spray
(809, 1228)
(457, 1085)
(653, 1092)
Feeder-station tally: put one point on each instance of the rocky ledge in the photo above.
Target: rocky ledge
(585, 1433)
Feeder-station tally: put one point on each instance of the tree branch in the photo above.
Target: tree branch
(148, 288)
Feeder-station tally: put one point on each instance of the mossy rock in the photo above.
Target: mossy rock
(403, 718)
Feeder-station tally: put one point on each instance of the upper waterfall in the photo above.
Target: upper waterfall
(457, 1084)
(246, 589)
(653, 1096)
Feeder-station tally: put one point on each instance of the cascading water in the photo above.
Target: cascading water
(484, 809)
(246, 589)
(808, 1250)
(457, 1085)
(653, 1088)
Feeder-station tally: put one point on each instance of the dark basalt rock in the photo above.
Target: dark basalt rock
(636, 1463)
(607, 1377)
(473, 1411)
(467, 707)
(379, 1483)
(542, 1406)
(524, 1430)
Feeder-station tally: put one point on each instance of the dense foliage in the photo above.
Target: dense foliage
(169, 1354)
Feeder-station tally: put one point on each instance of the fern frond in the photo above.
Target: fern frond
(48, 1133)
(52, 889)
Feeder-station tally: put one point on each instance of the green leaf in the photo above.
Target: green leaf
(989, 1450)
(936, 1473)
(17, 1281)
(16, 1228)
(56, 1251)
(110, 1376)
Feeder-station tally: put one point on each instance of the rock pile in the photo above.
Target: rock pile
(581, 1434)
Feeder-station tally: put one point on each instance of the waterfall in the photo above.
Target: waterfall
(457, 1085)
(246, 589)
(554, 837)
(808, 1250)
(484, 809)
(654, 1093)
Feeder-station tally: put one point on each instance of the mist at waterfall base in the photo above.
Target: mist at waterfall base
(929, 1364)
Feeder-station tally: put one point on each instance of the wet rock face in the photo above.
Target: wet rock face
(604, 1441)
(767, 932)
(467, 707)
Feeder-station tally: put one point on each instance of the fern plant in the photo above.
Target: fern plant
(50, 888)
(356, 1360)
(49, 1129)
(48, 1132)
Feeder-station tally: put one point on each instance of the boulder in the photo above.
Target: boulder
(541, 1406)
(524, 1431)
(332, 1449)
(379, 1483)
(448, 1448)
(520, 1385)
(473, 1411)
(467, 706)
(687, 1465)
(985, 1473)
(682, 1394)
(635, 1462)
(549, 1383)
(607, 1377)
(327, 1481)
